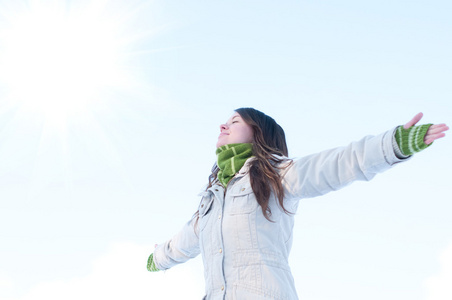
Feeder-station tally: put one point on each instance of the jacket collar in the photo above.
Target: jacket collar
(246, 167)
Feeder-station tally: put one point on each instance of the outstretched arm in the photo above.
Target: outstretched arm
(182, 247)
(330, 170)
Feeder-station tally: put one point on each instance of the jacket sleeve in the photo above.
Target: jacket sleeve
(182, 247)
(333, 169)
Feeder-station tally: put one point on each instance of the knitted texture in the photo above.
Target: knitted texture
(151, 265)
(411, 140)
(230, 159)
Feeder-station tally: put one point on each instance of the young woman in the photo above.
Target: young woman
(243, 226)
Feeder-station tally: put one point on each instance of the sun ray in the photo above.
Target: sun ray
(57, 62)
(63, 62)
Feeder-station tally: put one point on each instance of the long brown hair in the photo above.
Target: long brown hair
(270, 150)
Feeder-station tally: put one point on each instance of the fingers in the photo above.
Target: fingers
(435, 132)
(414, 120)
(431, 138)
(437, 128)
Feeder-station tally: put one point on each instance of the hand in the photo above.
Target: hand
(433, 133)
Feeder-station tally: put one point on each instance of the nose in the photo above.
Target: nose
(223, 127)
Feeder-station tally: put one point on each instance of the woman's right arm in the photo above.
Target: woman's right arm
(182, 247)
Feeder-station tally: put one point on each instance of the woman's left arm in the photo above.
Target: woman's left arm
(333, 169)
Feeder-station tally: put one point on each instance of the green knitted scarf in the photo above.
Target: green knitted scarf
(230, 159)
(411, 140)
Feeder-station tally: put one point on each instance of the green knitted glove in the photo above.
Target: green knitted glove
(411, 140)
(151, 265)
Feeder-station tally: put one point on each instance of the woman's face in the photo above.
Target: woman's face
(235, 131)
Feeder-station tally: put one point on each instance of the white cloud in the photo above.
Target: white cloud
(121, 274)
(6, 286)
(439, 287)
(5, 282)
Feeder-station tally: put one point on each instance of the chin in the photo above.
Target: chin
(221, 142)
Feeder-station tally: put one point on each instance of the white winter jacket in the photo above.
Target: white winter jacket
(245, 256)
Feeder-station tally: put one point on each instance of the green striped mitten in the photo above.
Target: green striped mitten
(151, 265)
(411, 140)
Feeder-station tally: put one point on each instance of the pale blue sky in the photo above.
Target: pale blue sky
(82, 190)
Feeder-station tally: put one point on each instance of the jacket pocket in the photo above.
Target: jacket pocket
(243, 200)
(244, 292)
(204, 211)
(261, 274)
(240, 216)
(269, 258)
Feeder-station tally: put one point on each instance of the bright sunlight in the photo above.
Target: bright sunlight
(56, 60)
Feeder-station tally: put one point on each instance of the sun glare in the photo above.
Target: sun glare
(56, 61)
